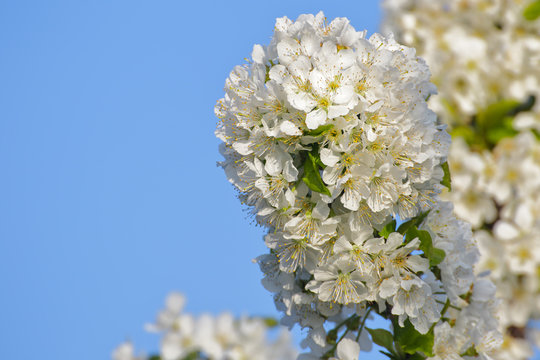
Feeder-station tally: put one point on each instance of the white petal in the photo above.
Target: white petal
(289, 128)
(337, 110)
(348, 349)
(243, 147)
(315, 119)
(321, 210)
(505, 231)
(258, 54)
(290, 172)
(328, 157)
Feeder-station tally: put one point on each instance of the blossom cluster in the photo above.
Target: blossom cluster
(478, 51)
(328, 139)
(488, 76)
(499, 192)
(207, 337)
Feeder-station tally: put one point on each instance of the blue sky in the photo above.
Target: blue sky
(110, 194)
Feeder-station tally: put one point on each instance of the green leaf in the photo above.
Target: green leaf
(382, 338)
(154, 357)
(495, 135)
(192, 356)
(465, 132)
(312, 176)
(532, 11)
(495, 121)
(390, 356)
(270, 322)
(434, 255)
(412, 341)
(416, 356)
(446, 181)
(320, 130)
(415, 221)
(388, 229)
(494, 114)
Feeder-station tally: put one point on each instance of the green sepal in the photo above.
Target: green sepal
(331, 337)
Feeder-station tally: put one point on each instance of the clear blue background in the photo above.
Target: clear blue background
(110, 196)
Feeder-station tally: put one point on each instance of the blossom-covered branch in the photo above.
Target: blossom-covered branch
(328, 139)
(222, 337)
(488, 74)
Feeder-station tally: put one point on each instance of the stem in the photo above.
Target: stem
(449, 305)
(362, 324)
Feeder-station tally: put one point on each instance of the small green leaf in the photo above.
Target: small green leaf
(412, 341)
(495, 135)
(416, 356)
(415, 221)
(382, 338)
(320, 130)
(390, 356)
(493, 115)
(532, 11)
(434, 255)
(465, 132)
(388, 229)
(270, 322)
(154, 357)
(312, 176)
(192, 356)
(446, 181)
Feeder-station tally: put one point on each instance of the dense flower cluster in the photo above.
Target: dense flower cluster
(479, 51)
(224, 337)
(488, 76)
(328, 138)
(499, 192)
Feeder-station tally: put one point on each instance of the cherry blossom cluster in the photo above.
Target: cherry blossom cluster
(328, 139)
(488, 76)
(499, 192)
(207, 337)
(479, 51)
